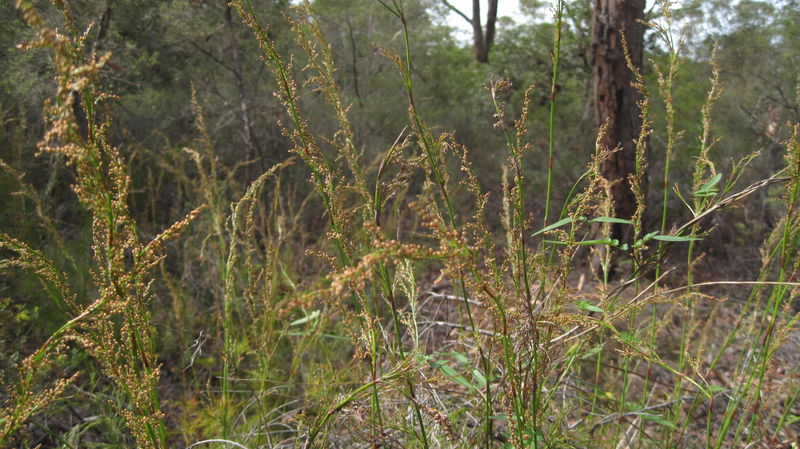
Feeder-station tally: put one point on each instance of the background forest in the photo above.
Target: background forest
(339, 224)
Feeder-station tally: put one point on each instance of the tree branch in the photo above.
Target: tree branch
(457, 11)
(210, 55)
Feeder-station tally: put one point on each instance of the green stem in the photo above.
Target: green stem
(553, 92)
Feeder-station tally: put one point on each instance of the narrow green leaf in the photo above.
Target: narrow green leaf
(463, 382)
(595, 242)
(649, 236)
(323, 335)
(450, 372)
(711, 182)
(644, 239)
(557, 224)
(706, 193)
(591, 352)
(676, 238)
(460, 358)
(717, 388)
(628, 337)
(658, 419)
(480, 379)
(586, 305)
(611, 220)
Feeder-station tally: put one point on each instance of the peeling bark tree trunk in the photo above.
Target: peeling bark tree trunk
(615, 98)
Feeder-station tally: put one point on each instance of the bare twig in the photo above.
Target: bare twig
(616, 416)
(217, 440)
(457, 11)
(730, 199)
(459, 326)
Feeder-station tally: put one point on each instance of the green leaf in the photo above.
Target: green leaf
(676, 238)
(463, 382)
(586, 305)
(480, 379)
(591, 352)
(611, 220)
(708, 189)
(574, 349)
(649, 236)
(628, 337)
(706, 193)
(557, 224)
(644, 239)
(711, 182)
(596, 242)
(460, 358)
(450, 372)
(717, 388)
(322, 335)
(658, 419)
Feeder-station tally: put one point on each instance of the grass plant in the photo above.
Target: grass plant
(385, 305)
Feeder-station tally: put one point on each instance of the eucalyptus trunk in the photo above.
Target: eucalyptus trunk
(615, 98)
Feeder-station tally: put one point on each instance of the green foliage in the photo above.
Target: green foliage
(368, 263)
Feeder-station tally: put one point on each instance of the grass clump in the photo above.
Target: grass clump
(387, 305)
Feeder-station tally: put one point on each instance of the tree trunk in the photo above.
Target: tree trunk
(481, 41)
(491, 21)
(615, 98)
(477, 33)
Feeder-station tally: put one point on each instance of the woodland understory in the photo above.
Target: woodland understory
(338, 224)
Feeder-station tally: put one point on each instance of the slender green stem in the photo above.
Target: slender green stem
(553, 93)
